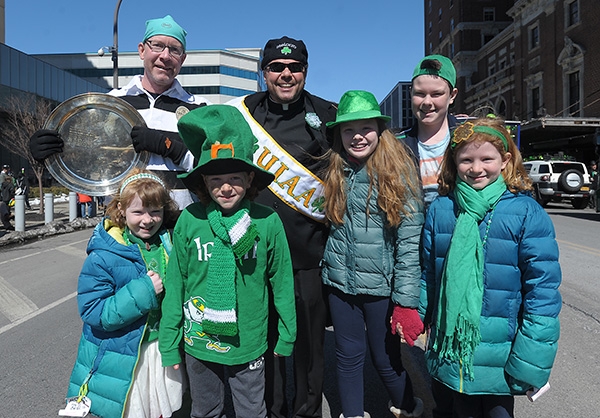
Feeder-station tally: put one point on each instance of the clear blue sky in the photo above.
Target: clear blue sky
(353, 44)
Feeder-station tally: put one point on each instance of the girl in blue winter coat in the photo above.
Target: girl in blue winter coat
(118, 368)
(371, 262)
(490, 277)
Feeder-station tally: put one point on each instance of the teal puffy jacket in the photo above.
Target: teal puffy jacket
(521, 301)
(114, 296)
(363, 257)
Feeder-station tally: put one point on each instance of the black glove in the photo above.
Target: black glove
(167, 144)
(44, 143)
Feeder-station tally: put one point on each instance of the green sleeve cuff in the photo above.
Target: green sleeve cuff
(284, 348)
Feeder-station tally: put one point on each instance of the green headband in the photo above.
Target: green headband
(467, 129)
(141, 176)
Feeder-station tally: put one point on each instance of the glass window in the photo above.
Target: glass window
(572, 13)
(535, 101)
(24, 70)
(574, 104)
(39, 78)
(4, 65)
(14, 68)
(489, 14)
(534, 37)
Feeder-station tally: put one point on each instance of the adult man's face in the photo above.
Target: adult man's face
(160, 68)
(285, 85)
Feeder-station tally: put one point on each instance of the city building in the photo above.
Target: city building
(397, 105)
(535, 61)
(22, 75)
(218, 75)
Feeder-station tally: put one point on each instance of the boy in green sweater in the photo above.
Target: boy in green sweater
(229, 254)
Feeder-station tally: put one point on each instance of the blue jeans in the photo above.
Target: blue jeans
(358, 320)
(86, 209)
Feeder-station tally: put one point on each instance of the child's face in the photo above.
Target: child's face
(479, 163)
(360, 138)
(228, 190)
(142, 221)
(431, 97)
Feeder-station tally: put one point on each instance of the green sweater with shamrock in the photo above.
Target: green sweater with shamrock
(264, 272)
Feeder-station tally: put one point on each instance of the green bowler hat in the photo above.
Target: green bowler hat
(222, 142)
(357, 105)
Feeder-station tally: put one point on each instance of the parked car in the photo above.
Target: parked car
(560, 180)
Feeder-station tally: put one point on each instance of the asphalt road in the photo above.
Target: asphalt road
(40, 328)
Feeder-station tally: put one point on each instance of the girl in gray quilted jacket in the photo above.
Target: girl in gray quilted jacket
(371, 262)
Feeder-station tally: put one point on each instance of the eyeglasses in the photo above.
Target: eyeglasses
(278, 67)
(158, 47)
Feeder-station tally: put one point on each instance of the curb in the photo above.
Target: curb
(10, 238)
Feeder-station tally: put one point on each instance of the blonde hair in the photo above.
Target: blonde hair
(391, 170)
(152, 194)
(514, 174)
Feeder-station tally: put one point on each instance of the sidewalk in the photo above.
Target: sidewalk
(36, 227)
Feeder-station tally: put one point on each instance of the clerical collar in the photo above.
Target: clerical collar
(281, 108)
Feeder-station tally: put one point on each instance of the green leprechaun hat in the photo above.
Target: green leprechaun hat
(222, 142)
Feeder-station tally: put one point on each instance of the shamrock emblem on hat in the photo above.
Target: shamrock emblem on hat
(286, 50)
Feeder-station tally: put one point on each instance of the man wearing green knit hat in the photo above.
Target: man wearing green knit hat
(229, 255)
(159, 98)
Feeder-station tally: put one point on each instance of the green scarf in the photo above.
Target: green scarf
(234, 237)
(461, 287)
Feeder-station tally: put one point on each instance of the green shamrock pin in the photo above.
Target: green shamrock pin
(286, 50)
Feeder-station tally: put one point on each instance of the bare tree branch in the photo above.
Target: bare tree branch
(25, 114)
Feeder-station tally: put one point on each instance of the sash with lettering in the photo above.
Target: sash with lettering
(294, 184)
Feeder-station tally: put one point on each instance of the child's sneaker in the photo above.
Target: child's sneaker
(416, 412)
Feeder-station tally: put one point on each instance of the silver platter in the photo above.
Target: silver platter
(97, 153)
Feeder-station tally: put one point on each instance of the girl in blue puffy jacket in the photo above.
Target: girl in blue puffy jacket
(490, 277)
(118, 368)
(371, 261)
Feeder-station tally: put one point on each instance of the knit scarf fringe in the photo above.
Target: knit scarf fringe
(461, 345)
(235, 235)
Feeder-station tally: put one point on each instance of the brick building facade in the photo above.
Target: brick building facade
(536, 61)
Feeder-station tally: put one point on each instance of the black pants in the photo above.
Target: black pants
(308, 357)
(452, 404)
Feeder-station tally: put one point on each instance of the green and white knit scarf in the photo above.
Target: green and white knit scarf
(234, 237)
(461, 287)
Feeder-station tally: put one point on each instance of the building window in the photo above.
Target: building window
(534, 36)
(440, 36)
(430, 27)
(535, 101)
(571, 13)
(452, 25)
(451, 3)
(429, 7)
(574, 98)
(440, 15)
(489, 14)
